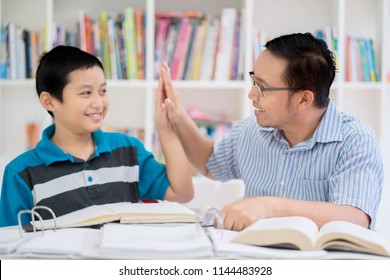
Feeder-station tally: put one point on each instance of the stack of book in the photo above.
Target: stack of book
(199, 47)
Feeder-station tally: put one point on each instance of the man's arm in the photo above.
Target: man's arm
(241, 214)
(178, 170)
(197, 146)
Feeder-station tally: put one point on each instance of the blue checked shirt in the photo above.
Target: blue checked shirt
(340, 164)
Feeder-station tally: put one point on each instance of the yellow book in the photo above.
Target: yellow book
(303, 234)
(130, 44)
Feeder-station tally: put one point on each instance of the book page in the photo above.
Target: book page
(162, 212)
(95, 214)
(154, 241)
(10, 239)
(54, 243)
(342, 235)
(300, 232)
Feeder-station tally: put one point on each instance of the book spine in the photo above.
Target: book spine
(198, 54)
(104, 39)
(3, 54)
(20, 54)
(161, 37)
(225, 44)
(11, 51)
(130, 43)
(208, 52)
(111, 44)
(180, 48)
(364, 60)
(140, 39)
(190, 51)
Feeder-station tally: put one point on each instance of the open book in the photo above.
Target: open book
(124, 212)
(302, 233)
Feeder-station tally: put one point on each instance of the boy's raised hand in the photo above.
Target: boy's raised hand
(161, 110)
(168, 96)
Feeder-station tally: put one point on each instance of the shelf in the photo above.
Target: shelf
(219, 85)
(362, 86)
(17, 83)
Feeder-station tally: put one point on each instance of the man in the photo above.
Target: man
(298, 155)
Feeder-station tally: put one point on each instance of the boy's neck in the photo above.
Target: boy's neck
(81, 147)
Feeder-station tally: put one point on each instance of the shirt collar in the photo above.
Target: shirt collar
(50, 153)
(330, 127)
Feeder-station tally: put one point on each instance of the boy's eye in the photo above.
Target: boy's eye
(103, 91)
(86, 93)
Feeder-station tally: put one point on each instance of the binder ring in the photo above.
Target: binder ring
(33, 214)
(47, 209)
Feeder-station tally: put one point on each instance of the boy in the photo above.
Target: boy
(77, 165)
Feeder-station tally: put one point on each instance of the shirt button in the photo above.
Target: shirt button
(282, 183)
(90, 179)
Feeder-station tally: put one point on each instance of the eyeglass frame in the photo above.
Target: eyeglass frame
(263, 89)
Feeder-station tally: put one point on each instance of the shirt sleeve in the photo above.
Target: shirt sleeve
(222, 163)
(15, 196)
(359, 175)
(153, 179)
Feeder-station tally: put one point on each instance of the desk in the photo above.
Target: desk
(85, 243)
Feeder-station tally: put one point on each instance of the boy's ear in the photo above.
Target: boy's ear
(47, 101)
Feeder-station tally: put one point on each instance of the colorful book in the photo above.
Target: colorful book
(105, 43)
(225, 44)
(140, 42)
(130, 43)
(180, 49)
(160, 38)
(3, 54)
(198, 51)
(209, 50)
(12, 71)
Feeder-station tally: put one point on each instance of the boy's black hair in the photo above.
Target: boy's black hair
(54, 67)
(311, 65)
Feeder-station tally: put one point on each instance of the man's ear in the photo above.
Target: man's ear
(306, 99)
(47, 101)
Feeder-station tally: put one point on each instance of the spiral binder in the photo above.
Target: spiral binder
(33, 212)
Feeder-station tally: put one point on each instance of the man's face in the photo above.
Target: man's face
(273, 108)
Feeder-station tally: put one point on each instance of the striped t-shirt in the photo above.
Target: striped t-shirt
(341, 163)
(119, 170)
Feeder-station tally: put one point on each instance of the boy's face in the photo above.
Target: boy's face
(85, 102)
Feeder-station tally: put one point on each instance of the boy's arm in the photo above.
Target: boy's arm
(178, 169)
(15, 196)
(197, 146)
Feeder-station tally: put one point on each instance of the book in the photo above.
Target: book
(124, 212)
(154, 241)
(131, 43)
(225, 44)
(303, 234)
(161, 36)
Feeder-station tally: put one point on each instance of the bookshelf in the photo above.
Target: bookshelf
(132, 101)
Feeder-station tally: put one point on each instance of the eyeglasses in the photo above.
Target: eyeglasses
(263, 89)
